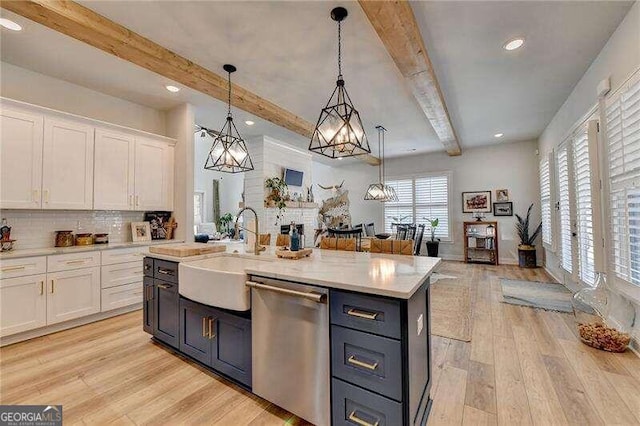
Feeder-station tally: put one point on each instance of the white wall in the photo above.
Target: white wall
(357, 177)
(512, 166)
(230, 187)
(39, 89)
(619, 58)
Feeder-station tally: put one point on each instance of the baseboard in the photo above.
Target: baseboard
(39, 332)
(460, 258)
(548, 271)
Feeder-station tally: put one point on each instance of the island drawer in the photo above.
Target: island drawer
(353, 405)
(373, 362)
(165, 270)
(372, 314)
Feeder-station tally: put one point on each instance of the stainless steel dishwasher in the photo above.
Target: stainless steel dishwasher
(290, 346)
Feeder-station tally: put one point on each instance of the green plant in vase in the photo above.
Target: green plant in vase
(527, 248)
(434, 243)
(277, 195)
(224, 221)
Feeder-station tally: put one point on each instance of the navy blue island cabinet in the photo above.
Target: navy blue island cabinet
(217, 338)
(380, 346)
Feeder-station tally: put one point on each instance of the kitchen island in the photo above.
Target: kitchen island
(338, 338)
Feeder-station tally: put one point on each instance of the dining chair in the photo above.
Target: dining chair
(404, 247)
(346, 244)
(348, 233)
(411, 232)
(401, 231)
(283, 240)
(265, 239)
(418, 240)
(382, 246)
(328, 243)
(370, 230)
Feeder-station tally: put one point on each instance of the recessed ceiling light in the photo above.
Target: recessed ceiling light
(340, 158)
(172, 89)
(249, 123)
(514, 44)
(498, 135)
(10, 25)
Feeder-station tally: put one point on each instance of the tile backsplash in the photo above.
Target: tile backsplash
(36, 228)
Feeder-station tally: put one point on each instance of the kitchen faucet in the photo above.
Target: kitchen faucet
(257, 248)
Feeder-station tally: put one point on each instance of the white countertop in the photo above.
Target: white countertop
(380, 274)
(16, 254)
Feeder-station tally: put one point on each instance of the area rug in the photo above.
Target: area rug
(451, 310)
(548, 296)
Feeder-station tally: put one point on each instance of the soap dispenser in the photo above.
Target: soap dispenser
(295, 238)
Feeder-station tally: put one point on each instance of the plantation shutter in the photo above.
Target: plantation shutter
(623, 149)
(545, 201)
(400, 211)
(432, 201)
(564, 207)
(584, 205)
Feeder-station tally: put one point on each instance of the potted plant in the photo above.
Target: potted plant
(223, 223)
(277, 194)
(434, 243)
(527, 248)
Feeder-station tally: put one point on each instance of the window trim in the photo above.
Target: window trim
(414, 176)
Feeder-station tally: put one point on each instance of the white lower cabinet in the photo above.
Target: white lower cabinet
(72, 294)
(121, 296)
(23, 304)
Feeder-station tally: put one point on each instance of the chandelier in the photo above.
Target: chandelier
(229, 152)
(380, 191)
(339, 131)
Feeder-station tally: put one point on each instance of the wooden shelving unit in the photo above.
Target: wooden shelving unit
(481, 242)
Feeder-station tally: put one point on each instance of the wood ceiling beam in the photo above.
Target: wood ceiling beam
(397, 28)
(81, 23)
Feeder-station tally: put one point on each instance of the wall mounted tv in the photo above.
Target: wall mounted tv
(293, 177)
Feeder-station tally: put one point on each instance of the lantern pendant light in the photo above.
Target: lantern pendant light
(229, 152)
(339, 131)
(380, 191)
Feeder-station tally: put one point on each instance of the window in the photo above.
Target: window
(545, 201)
(198, 207)
(623, 146)
(564, 207)
(584, 205)
(420, 199)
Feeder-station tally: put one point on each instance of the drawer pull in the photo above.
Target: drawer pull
(13, 268)
(353, 360)
(211, 323)
(361, 422)
(165, 271)
(77, 262)
(362, 314)
(164, 286)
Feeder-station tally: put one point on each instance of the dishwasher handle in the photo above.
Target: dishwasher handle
(312, 295)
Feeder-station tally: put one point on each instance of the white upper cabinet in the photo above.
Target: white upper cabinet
(113, 185)
(153, 175)
(20, 159)
(67, 168)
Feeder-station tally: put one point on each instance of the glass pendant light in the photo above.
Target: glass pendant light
(339, 131)
(229, 152)
(380, 191)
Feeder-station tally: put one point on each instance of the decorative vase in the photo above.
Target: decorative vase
(432, 248)
(527, 256)
(592, 307)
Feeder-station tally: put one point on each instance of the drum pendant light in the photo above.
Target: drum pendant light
(380, 191)
(229, 152)
(339, 131)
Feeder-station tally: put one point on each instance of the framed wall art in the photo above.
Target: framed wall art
(502, 195)
(476, 202)
(504, 208)
(140, 231)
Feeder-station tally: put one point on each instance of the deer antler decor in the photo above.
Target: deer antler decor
(333, 187)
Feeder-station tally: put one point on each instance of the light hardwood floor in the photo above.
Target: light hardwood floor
(522, 366)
